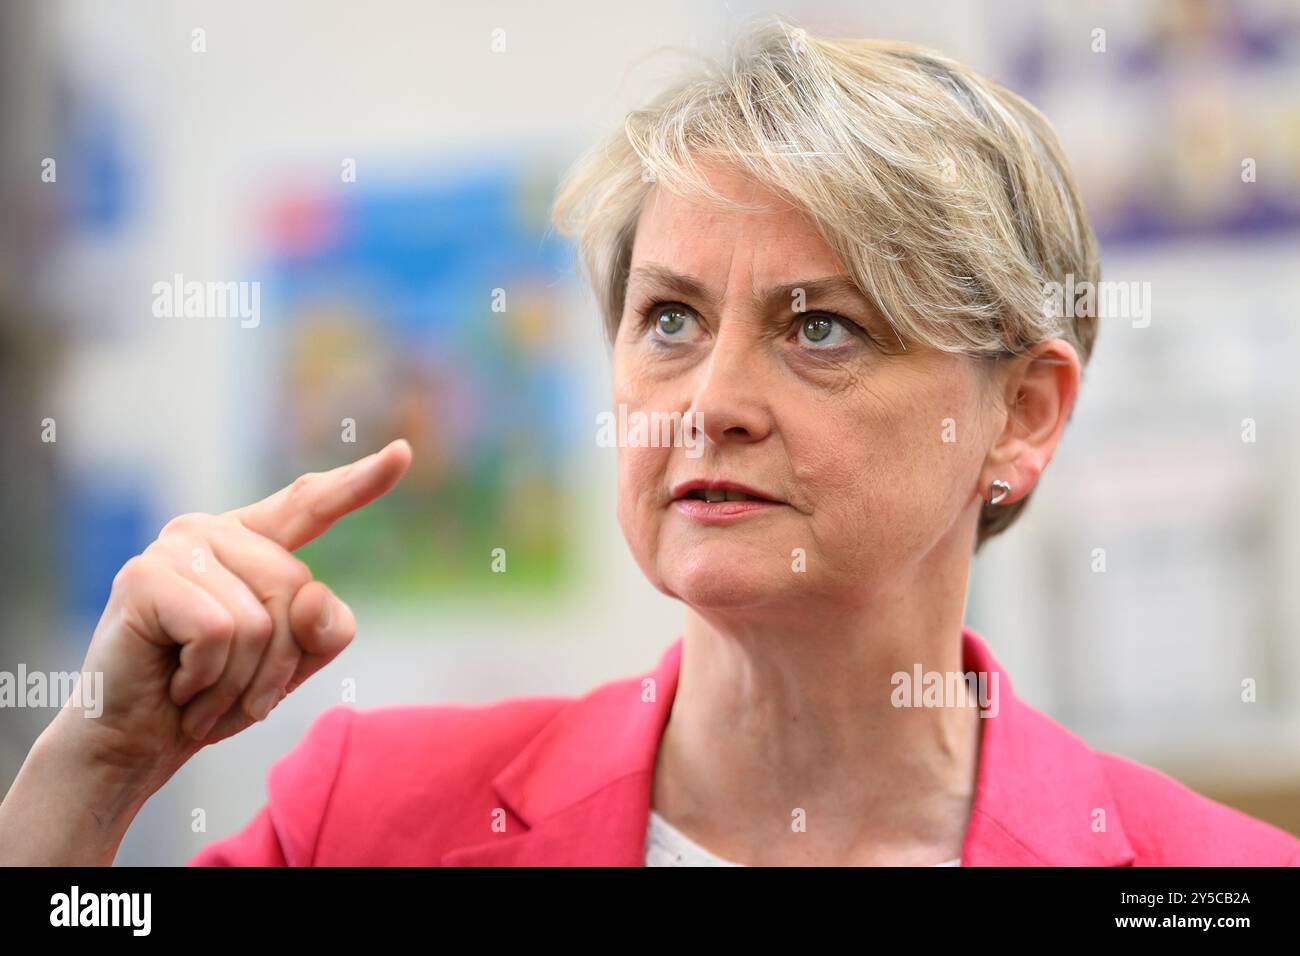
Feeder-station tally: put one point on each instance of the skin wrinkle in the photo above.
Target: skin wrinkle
(887, 162)
(900, 150)
(784, 689)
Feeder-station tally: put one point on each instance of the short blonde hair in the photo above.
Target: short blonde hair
(946, 197)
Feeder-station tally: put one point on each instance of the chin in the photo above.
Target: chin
(725, 576)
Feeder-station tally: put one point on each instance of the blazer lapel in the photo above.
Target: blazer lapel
(1041, 798)
(582, 788)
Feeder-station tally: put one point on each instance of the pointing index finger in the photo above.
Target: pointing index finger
(309, 506)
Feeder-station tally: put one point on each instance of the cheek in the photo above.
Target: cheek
(635, 384)
(850, 473)
(881, 477)
(641, 478)
(641, 470)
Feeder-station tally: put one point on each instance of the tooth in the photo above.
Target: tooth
(737, 496)
(712, 495)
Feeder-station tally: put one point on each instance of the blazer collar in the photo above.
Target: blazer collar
(582, 787)
(1041, 797)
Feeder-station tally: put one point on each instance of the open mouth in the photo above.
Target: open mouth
(721, 502)
(721, 494)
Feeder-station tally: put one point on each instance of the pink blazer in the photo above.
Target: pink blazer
(557, 781)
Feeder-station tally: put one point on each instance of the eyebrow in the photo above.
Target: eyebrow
(826, 287)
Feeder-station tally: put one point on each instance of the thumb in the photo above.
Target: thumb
(322, 625)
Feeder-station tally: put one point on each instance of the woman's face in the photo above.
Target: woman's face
(846, 441)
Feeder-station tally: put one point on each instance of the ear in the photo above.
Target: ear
(1038, 390)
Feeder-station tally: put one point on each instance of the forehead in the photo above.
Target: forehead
(777, 240)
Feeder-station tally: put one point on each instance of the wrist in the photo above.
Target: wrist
(66, 807)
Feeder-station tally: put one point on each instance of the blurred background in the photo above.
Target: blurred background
(382, 172)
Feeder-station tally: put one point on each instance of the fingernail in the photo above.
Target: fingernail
(326, 616)
(262, 706)
(202, 727)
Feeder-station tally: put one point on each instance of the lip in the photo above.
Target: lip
(681, 490)
(721, 512)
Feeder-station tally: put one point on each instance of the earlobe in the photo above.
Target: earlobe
(1013, 480)
(998, 491)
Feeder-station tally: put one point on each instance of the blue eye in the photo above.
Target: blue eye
(671, 320)
(822, 330)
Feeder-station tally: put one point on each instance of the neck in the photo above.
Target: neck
(784, 744)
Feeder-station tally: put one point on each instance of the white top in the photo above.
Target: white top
(665, 845)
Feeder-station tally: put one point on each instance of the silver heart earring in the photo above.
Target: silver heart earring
(998, 490)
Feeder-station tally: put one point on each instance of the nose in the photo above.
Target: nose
(730, 401)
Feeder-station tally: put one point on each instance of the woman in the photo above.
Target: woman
(831, 259)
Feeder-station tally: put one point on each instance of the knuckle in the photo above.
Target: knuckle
(207, 667)
(186, 524)
(171, 549)
(298, 572)
(301, 487)
(260, 627)
(160, 547)
(133, 573)
(216, 626)
(257, 629)
(226, 692)
(292, 572)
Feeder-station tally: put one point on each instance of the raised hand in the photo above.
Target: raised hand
(198, 655)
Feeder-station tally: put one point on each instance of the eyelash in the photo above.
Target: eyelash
(649, 313)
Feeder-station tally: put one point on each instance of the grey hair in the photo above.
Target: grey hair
(946, 197)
